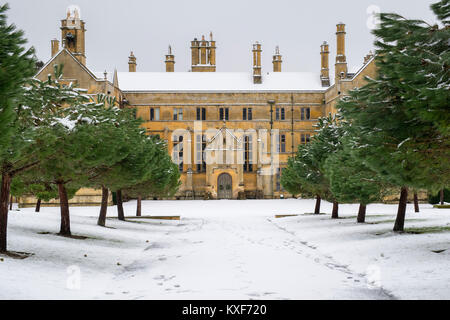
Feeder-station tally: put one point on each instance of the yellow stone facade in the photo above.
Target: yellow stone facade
(205, 116)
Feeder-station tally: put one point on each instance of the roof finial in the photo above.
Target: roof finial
(277, 50)
(105, 74)
(211, 36)
(170, 49)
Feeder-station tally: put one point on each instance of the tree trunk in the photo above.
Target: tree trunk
(361, 213)
(120, 213)
(103, 208)
(38, 206)
(10, 203)
(4, 197)
(335, 212)
(138, 206)
(317, 209)
(441, 195)
(416, 202)
(64, 205)
(401, 212)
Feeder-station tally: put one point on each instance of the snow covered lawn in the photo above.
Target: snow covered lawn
(229, 250)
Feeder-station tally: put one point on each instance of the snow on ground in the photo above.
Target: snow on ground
(228, 250)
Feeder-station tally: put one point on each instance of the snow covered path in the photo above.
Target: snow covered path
(227, 250)
(230, 257)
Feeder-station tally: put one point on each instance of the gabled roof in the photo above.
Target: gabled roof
(358, 70)
(72, 56)
(217, 82)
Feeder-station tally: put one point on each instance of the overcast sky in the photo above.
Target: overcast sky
(147, 27)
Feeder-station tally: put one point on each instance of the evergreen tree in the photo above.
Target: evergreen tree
(27, 184)
(74, 134)
(147, 169)
(305, 171)
(400, 140)
(351, 181)
(129, 138)
(16, 67)
(161, 180)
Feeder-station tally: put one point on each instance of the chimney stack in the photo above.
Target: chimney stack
(195, 51)
(212, 50)
(277, 60)
(170, 61)
(341, 60)
(324, 70)
(203, 55)
(55, 47)
(132, 62)
(257, 63)
(203, 51)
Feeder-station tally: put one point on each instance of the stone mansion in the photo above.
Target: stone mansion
(231, 133)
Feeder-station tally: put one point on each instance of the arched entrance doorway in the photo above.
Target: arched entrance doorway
(224, 186)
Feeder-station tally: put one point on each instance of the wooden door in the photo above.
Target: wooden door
(225, 190)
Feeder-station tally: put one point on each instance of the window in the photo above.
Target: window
(177, 152)
(247, 114)
(177, 114)
(200, 148)
(305, 138)
(305, 114)
(281, 146)
(248, 154)
(154, 114)
(223, 114)
(201, 113)
(279, 114)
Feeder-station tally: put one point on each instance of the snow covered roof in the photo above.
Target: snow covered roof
(217, 81)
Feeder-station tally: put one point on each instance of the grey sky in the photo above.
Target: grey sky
(147, 27)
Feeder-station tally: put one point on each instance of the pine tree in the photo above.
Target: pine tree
(29, 184)
(397, 138)
(351, 181)
(123, 141)
(161, 180)
(16, 67)
(74, 134)
(148, 169)
(305, 171)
